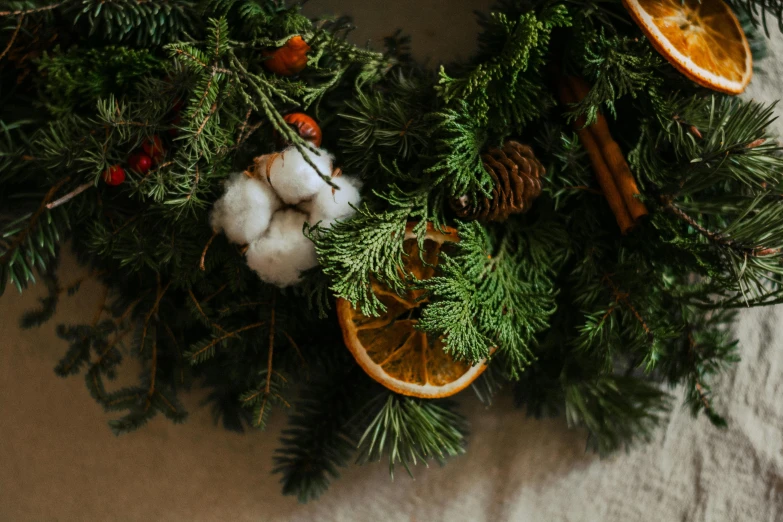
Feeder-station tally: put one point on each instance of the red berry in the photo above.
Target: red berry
(141, 163)
(154, 148)
(289, 59)
(305, 126)
(114, 175)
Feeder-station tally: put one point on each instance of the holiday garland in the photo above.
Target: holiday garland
(573, 215)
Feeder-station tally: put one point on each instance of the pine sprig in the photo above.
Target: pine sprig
(409, 431)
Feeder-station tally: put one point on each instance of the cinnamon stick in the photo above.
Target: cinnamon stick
(612, 154)
(600, 166)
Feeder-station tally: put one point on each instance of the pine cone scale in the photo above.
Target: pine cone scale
(516, 182)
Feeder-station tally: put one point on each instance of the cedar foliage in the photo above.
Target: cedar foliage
(575, 318)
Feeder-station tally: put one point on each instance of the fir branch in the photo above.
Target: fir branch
(319, 439)
(759, 10)
(202, 351)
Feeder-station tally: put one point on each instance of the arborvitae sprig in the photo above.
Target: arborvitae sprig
(496, 291)
(616, 66)
(370, 245)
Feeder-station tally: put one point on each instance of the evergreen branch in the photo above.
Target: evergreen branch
(756, 9)
(369, 246)
(600, 404)
(319, 439)
(493, 294)
(409, 430)
(20, 237)
(719, 238)
(201, 351)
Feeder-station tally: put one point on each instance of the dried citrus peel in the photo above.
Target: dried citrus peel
(701, 38)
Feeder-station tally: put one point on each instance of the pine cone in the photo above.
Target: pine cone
(516, 175)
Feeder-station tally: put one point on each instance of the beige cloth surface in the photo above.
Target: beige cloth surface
(59, 461)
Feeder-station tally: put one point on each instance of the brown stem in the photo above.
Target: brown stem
(217, 292)
(224, 337)
(72, 194)
(161, 293)
(203, 314)
(99, 311)
(153, 369)
(204, 252)
(30, 11)
(13, 37)
(271, 346)
(623, 297)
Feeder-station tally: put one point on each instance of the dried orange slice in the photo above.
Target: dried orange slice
(701, 38)
(390, 349)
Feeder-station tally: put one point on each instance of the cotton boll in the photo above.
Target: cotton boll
(294, 179)
(283, 252)
(330, 204)
(244, 211)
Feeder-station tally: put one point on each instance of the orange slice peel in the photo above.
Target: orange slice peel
(390, 349)
(701, 38)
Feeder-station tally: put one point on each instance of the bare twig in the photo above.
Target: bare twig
(204, 252)
(69, 196)
(13, 37)
(30, 11)
(161, 293)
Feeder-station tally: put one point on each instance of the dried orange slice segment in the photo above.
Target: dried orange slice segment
(390, 349)
(701, 38)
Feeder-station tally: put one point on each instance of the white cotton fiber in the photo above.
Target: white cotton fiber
(295, 180)
(330, 204)
(283, 252)
(245, 210)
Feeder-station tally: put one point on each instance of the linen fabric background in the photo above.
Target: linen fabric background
(59, 460)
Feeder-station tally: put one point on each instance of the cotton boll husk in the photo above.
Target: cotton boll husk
(330, 204)
(245, 210)
(283, 252)
(295, 180)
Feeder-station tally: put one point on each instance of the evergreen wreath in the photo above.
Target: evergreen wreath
(229, 168)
